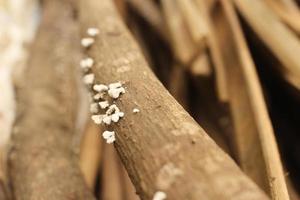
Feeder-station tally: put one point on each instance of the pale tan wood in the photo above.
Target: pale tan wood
(194, 20)
(154, 143)
(201, 66)
(111, 187)
(129, 191)
(288, 14)
(178, 85)
(281, 41)
(256, 145)
(214, 49)
(90, 154)
(182, 43)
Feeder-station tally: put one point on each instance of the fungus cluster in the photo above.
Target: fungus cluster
(102, 107)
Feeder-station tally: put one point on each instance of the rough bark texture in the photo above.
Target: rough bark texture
(162, 147)
(42, 164)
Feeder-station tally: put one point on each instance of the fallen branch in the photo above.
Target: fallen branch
(162, 147)
(42, 164)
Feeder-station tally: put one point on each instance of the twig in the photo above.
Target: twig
(218, 63)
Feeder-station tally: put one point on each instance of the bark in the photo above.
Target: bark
(162, 147)
(42, 164)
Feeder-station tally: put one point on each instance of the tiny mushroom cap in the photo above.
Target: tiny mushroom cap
(116, 92)
(89, 79)
(107, 120)
(97, 118)
(94, 108)
(87, 42)
(92, 31)
(103, 104)
(109, 136)
(100, 87)
(159, 195)
(86, 63)
(135, 110)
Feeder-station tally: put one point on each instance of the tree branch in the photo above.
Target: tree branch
(162, 147)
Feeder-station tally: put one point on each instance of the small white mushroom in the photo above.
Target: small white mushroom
(116, 92)
(109, 136)
(92, 31)
(103, 104)
(86, 63)
(97, 118)
(89, 79)
(87, 42)
(98, 96)
(112, 108)
(116, 116)
(115, 85)
(100, 87)
(159, 195)
(107, 120)
(135, 110)
(94, 108)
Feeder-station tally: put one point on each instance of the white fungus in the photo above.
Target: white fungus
(109, 136)
(86, 63)
(94, 108)
(115, 89)
(112, 114)
(92, 32)
(100, 87)
(116, 116)
(135, 110)
(116, 92)
(107, 119)
(98, 96)
(87, 42)
(115, 85)
(103, 104)
(89, 79)
(159, 195)
(97, 118)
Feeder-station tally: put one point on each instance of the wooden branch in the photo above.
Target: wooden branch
(90, 154)
(218, 63)
(194, 20)
(287, 13)
(184, 47)
(162, 147)
(282, 42)
(254, 136)
(42, 164)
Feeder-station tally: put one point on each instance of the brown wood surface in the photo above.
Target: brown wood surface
(42, 163)
(162, 147)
